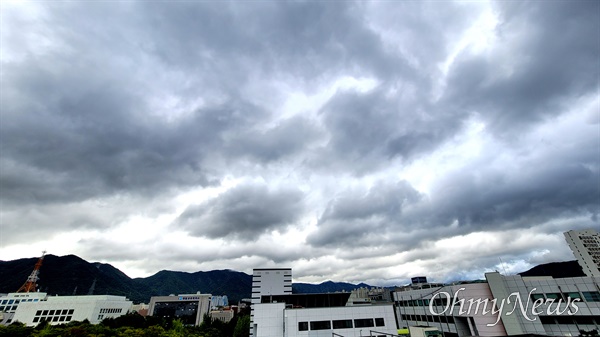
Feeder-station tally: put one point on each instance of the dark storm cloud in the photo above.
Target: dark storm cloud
(288, 138)
(546, 57)
(245, 212)
(355, 218)
(112, 112)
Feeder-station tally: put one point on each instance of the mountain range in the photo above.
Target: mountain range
(72, 275)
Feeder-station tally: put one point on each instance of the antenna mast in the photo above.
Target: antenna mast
(30, 284)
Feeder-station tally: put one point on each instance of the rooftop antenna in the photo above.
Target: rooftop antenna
(30, 284)
(502, 264)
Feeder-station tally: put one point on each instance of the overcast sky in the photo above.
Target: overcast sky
(364, 141)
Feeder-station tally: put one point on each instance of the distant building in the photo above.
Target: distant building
(219, 301)
(585, 245)
(141, 309)
(277, 281)
(189, 308)
(224, 315)
(64, 309)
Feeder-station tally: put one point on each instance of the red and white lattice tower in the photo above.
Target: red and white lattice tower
(30, 284)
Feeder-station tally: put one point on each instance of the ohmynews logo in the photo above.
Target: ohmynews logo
(494, 307)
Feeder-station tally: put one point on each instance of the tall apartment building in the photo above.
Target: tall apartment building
(276, 281)
(585, 245)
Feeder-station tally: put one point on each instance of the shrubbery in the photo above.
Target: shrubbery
(132, 325)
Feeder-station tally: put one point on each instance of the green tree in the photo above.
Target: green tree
(242, 327)
(15, 329)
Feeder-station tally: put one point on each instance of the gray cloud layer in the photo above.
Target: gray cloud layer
(327, 116)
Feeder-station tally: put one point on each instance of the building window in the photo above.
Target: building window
(564, 320)
(320, 325)
(591, 296)
(302, 326)
(363, 323)
(554, 296)
(537, 297)
(342, 324)
(379, 322)
(574, 295)
(589, 320)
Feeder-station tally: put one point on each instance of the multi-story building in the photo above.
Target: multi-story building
(316, 315)
(64, 309)
(274, 281)
(585, 245)
(504, 306)
(189, 308)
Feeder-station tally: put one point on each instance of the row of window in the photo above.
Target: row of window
(111, 311)
(588, 296)
(54, 312)
(423, 302)
(341, 324)
(428, 318)
(8, 308)
(53, 319)
(580, 320)
(17, 301)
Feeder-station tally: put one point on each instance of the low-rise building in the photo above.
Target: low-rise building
(224, 315)
(64, 309)
(189, 308)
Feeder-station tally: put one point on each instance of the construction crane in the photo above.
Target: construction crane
(30, 284)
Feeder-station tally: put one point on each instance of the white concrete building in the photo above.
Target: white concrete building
(64, 309)
(282, 320)
(11, 301)
(585, 245)
(504, 306)
(276, 312)
(269, 281)
(189, 308)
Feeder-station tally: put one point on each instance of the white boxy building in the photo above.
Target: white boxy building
(276, 312)
(64, 309)
(283, 320)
